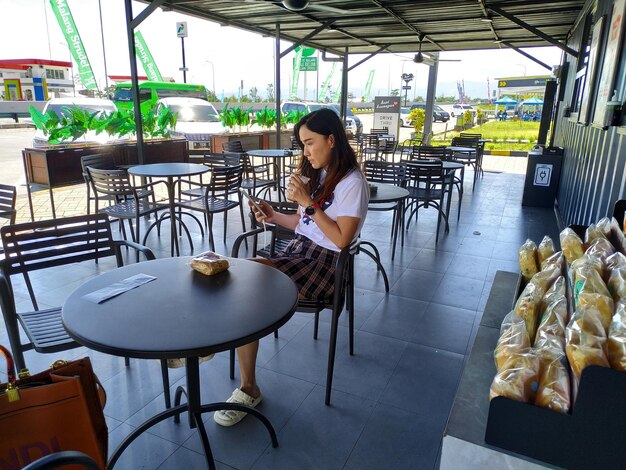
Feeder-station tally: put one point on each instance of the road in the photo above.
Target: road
(12, 142)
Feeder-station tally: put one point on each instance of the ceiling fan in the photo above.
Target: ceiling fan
(421, 58)
(301, 5)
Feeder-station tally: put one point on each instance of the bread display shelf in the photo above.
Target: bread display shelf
(592, 436)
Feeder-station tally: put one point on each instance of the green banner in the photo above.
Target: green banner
(307, 64)
(143, 53)
(368, 85)
(296, 75)
(337, 93)
(326, 83)
(64, 16)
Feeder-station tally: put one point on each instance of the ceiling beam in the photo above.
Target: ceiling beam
(367, 58)
(419, 33)
(527, 55)
(533, 30)
(306, 38)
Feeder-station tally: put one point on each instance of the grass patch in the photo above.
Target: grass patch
(499, 132)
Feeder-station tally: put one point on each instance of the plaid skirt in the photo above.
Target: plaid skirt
(310, 266)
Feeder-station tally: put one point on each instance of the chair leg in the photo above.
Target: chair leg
(316, 324)
(211, 241)
(350, 304)
(166, 383)
(226, 224)
(126, 361)
(332, 348)
(232, 364)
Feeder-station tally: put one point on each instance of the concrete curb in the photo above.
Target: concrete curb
(507, 153)
(17, 125)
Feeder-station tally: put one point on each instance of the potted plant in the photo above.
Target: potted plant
(417, 116)
(468, 119)
(266, 118)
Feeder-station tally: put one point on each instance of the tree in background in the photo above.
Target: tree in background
(395, 92)
(270, 92)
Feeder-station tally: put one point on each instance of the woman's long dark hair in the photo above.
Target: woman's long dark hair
(343, 158)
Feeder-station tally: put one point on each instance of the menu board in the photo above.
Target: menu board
(387, 114)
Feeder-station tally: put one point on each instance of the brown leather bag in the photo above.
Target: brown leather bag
(54, 410)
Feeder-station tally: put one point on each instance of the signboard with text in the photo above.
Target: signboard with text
(387, 113)
(307, 64)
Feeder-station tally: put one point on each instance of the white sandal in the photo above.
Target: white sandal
(232, 417)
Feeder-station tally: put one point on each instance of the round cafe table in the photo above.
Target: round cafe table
(182, 314)
(277, 154)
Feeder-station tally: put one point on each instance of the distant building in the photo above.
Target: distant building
(35, 79)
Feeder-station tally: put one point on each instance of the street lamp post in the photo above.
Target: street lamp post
(213, 75)
(407, 77)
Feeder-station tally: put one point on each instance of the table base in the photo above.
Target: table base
(182, 225)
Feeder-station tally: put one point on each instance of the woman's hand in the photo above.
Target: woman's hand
(298, 191)
(266, 208)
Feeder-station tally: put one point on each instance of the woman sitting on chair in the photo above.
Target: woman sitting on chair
(332, 209)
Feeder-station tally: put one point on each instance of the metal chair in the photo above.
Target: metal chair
(426, 183)
(388, 173)
(131, 202)
(34, 246)
(225, 183)
(473, 159)
(61, 459)
(370, 147)
(379, 130)
(8, 197)
(388, 147)
(343, 296)
(102, 161)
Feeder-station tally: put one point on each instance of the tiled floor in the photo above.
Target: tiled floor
(390, 400)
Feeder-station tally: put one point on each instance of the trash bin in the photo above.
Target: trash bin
(542, 176)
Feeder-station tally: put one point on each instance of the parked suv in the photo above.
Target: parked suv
(353, 124)
(438, 113)
(197, 120)
(459, 109)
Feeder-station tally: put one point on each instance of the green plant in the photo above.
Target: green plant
(158, 125)
(227, 117)
(241, 116)
(294, 116)
(468, 118)
(266, 117)
(417, 116)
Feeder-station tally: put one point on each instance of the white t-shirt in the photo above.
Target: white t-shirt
(350, 198)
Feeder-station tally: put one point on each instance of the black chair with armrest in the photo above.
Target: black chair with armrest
(8, 198)
(343, 296)
(61, 459)
(35, 246)
(473, 159)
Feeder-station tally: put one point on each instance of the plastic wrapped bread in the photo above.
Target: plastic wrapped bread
(600, 247)
(545, 278)
(617, 338)
(551, 330)
(555, 292)
(590, 290)
(518, 378)
(593, 233)
(616, 260)
(513, 339)
(209, 263)
(528, 259)
(617, 284)
(586, 340)
(591, 260)
(528, 307)
(556, 260)
(545, 249)
(553, 389)
(571, 244)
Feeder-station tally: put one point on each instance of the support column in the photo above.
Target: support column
(431, 91)
(277, 84)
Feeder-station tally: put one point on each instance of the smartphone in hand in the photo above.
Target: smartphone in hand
(255, 202)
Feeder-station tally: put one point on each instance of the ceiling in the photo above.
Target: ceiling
(370, 26)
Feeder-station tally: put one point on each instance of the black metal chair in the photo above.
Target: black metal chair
(61, 459)
(129, 202)
(101, 161)
(426, 182)
(8, 198)
(216, 198)
(473, 159)
(258, 179)
(388, 173)
(343, 296)
(34, 246)
(388, 148)
(379, 130)
(370, 147)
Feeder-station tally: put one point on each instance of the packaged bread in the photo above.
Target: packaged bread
(545, 278)
(551, 329)
(571, 244)
(604, 226)
(528, 259)
(617, 283)
(513, 339)
(590, 260)
(528, 307)
(617, 338)
(518, 378)
(600, 247)
(593, 233)
(586, 340)
(616, 260)
(590, 290)
(553, 293)
(617, 234)
(603, 303)
(556, 260)
(209, 263)
(545, 249)
(553, 388)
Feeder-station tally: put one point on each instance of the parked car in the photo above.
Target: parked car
(439, 114)
(197, 120)
(404, 117)
(459, 109)
(353, 124)
(62, 106)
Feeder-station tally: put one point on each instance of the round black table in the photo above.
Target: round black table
(277, 154)
(170, 171)
(182, 314)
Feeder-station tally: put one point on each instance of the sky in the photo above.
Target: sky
(231, 55)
